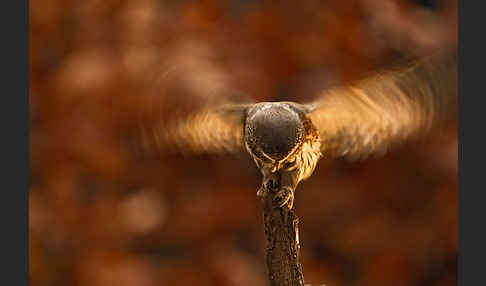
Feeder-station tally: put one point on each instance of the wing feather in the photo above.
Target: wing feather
(372, 115)
(209, 130)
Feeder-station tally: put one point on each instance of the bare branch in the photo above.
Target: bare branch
(282, 233)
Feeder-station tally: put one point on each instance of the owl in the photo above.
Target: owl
(286, 140)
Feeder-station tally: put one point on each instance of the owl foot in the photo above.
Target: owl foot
(270, 182)
(284, 196)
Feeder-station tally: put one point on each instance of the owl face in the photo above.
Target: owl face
(273, 131)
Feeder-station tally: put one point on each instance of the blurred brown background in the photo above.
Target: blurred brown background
(101, 215)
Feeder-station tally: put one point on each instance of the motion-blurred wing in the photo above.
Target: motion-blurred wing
(210, 130)
(370, 116)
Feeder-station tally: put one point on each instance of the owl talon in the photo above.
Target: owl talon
(261, 192)
(268, 183)
(284, 196)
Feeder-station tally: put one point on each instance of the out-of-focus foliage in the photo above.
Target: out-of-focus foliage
(101, 215)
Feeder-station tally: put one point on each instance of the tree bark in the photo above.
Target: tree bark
(283, 249)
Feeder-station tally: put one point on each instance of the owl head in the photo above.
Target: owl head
(274, 131)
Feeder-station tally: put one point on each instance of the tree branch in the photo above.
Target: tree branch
(283, 249)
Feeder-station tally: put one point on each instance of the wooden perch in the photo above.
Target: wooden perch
(283, 249)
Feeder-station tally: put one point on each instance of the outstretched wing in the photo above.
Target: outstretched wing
(209, 130)
(370, 116)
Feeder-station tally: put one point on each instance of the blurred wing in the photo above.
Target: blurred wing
(211, 130)
(369, 117)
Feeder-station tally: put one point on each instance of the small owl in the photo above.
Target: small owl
(287, 139)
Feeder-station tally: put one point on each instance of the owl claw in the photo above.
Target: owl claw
(268, 183)
(285, 196)
(261, 192)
